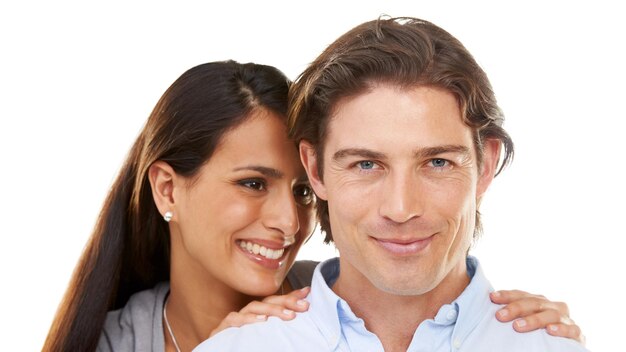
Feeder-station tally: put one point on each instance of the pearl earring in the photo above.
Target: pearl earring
(168, 216)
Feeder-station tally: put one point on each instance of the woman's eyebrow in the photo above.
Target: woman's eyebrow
(264, 170)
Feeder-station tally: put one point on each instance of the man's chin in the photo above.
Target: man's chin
(404, 286)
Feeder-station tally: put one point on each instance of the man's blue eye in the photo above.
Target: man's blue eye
(366, 165)
(439, 162)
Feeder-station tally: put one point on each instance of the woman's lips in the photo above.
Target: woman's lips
(404, 246)
(270, 256)
(257, 248)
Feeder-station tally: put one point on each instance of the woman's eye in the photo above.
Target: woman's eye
(303, 194)
(366, 164)
(439, 162)
(257, 185)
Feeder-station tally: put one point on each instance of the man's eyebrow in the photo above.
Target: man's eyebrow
(442, 149)
(427, 152)
(359, 152)
(264, 170)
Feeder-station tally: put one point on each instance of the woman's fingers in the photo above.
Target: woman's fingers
(294, 300)
(539, 320)
(571, 331)
(269, 309)
(508, 296)
(281, 306)
(237, 319)
(520, 304)
(532, 312)
(525, 307)
(554, 323)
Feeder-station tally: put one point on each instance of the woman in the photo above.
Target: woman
(206, 216)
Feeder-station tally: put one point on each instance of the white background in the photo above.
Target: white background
(78, 80)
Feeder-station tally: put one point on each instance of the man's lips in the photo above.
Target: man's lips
(403, 246)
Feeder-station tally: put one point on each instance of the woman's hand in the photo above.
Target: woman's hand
(283, 307)
(535, 312)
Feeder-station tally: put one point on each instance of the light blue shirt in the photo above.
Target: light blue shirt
(466, 324)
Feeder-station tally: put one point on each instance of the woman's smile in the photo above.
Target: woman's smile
(271, 256)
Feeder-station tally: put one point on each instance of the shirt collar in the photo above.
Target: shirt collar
(465, 311)
(473, 302)
(324, 303)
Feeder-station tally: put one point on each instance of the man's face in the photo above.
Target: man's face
(402, 181)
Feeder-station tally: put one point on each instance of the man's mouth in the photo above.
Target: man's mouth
(403, 246)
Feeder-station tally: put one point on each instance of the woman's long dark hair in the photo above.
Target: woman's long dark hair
(129, 248)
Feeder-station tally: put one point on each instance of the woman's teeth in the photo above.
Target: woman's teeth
(255, 248)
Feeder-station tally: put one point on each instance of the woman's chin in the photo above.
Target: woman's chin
(261, 286)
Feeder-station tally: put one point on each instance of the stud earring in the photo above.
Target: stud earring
(168, 216)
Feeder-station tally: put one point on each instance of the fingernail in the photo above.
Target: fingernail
(520, 323)
(503, 313)
(261, 317)
(496, 293)
(288, 311)
(554, 328)
(301, 302)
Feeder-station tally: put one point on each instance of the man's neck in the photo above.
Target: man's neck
(394, 318)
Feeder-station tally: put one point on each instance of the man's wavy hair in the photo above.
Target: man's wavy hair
(405, 52)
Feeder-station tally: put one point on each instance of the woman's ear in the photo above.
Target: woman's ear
(308, 156)
(161, 176)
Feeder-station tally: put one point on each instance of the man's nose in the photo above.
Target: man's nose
(400, 196)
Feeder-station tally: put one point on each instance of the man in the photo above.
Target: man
(401, 135)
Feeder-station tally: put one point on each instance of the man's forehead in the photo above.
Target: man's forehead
(381, 104)
(341, 102)
(392, 137)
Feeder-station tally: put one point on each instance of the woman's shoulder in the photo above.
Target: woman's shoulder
(301, 273)
(138, 325)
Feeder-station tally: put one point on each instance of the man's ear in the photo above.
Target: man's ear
(161, 176)
(308, 156)
(491, 156)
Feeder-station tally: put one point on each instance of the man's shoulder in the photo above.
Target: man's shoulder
(478, 329)
(299, 334)
(493, 335)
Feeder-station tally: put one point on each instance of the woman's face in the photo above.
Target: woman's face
(242, 219)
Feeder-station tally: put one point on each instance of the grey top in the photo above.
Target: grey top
(139, 325)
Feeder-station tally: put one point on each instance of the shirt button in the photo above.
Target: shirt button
(457, 344)
(451, 315)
